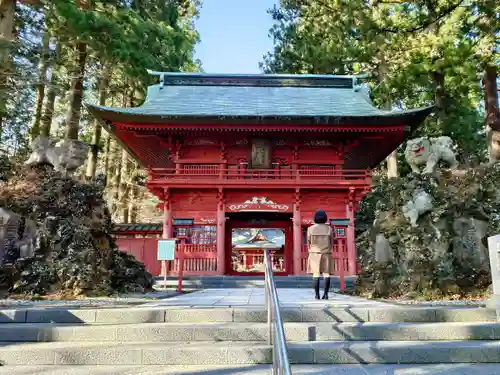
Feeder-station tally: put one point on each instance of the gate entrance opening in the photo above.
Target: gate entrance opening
(248, 233)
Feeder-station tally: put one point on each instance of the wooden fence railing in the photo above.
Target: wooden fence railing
(198, 260)
(201, 260)
(211, 172)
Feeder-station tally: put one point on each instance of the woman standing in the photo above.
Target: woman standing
(320, 244)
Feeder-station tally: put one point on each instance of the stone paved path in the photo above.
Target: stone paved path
(448, 369)
(256, 296)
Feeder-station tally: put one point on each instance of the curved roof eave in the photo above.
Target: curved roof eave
(412, 118)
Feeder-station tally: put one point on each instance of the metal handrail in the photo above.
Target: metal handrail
(281, 364)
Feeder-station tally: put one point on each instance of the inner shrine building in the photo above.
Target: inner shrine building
(242, 162)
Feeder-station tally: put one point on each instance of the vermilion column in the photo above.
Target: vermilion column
(167, 216)
(297, 236)
(221, 234)
(351, 241)
(167, 228)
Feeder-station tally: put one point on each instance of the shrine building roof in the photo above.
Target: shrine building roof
(218, 98)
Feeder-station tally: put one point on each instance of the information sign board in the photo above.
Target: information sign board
(166, 249)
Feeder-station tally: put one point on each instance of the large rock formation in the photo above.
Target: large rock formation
(65, 156)
(56, 238)
(426, 233)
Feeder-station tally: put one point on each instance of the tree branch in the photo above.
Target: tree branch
(378, 2)
(438, 17)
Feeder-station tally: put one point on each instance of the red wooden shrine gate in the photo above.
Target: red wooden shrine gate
(297, 142)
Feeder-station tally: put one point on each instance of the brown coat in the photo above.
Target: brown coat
(320, 245)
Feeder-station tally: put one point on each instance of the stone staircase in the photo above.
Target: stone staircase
(217, 282)
(236, 336)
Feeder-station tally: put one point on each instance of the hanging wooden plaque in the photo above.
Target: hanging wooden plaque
(260, 154)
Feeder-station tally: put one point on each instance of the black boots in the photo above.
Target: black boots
(316, 286)
(327, 287)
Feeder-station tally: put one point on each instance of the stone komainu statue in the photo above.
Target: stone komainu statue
(64, 156)
(428, 152)
(420, 204)
(493, 140)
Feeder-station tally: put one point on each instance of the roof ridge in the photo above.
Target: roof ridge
(259, 80)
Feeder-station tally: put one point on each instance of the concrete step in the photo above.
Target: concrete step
(254, 332)
(172, 285)
(216, 282)
(210, 353)
(251, 277)
(134, 315)
(373, 369)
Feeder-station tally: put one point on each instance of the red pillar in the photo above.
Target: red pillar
(221, 234)
(351, 241)
(167, 228)
(167, 216)
(297, 236)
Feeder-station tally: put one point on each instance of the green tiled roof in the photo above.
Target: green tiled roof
(188, 95)
(123, 228)
(340, 222)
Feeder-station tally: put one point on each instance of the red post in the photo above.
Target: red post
(222, 170)
(297, 236)
(223, 160)
(221, 234)
(181, 269)
(338, 256)
(167, 230)
(341, 272)
(167, 216)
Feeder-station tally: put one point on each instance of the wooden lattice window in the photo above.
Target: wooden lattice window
(197, 235)
(339, 232)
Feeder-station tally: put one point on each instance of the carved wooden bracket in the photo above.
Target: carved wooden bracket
(223, 151)
(346, 146)
(351, 197)
(239, 142)
(178, 147)
(220, 199)
(280, 142)
(167, 197)
(195, 197)
(282, 161)
(298, 199)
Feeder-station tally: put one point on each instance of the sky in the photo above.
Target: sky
(234, 35)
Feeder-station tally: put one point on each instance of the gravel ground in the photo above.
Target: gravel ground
(478, 303)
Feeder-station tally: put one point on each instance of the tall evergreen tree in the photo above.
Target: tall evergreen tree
(418, 53)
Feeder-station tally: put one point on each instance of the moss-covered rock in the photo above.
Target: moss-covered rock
(445, 253)
(6, 167)
(72, 250)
